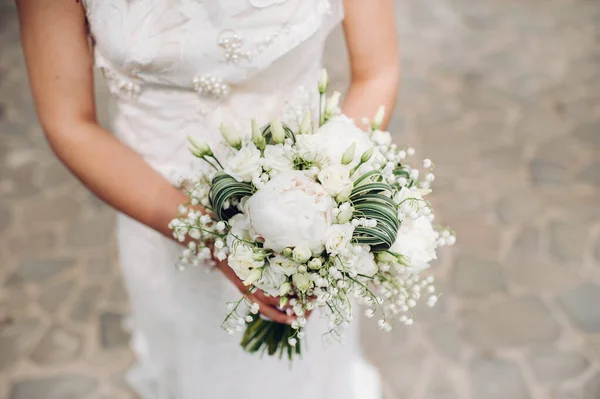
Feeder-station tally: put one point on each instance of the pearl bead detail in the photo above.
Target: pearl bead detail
(231, 42)
(211, 86)
(119, 83)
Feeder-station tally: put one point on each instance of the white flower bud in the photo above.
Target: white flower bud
(287, 252)
(332, 103)
(253, 276)
(349, 154)
(306, 125)
(230, 135)
(257, 137)
(284, 288)
(277, 132)
(301, 254)
(315, 264)
(199, 148)
(292, 341)
(367, 155)
(323, 81)
(427, 163)
(378, 118)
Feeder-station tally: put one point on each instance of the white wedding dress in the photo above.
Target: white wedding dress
(179, 68)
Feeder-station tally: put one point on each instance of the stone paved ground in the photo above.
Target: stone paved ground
(503, 94)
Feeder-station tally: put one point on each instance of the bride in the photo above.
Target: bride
(179, 68)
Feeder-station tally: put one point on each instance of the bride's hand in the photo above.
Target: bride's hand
(268, 305)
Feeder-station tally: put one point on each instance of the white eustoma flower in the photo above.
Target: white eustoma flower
(239, 229)
(277, 159)
(417, 241)
(282, 265)
(380, 137)
(271, 281)
(365, 264)
(308, 147)
(335, 136)
(337, 237)
(242, 261)
(336, 180)
(245, 164)
(291, 210)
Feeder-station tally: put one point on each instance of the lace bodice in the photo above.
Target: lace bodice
(180, 67)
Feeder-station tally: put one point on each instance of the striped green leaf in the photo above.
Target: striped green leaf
(225, 188)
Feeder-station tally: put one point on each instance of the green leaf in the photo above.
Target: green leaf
(374, 173)
(368, 202)
(225, 188)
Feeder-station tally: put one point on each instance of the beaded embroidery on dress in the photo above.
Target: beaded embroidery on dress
(180, 67)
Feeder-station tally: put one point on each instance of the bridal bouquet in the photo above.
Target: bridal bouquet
(323, 216)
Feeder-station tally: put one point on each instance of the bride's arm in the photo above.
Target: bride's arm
(59, 64)
(371, 37)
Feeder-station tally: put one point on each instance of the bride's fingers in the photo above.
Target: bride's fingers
(274, 314)
(269, 300)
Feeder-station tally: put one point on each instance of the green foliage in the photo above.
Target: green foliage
(369, 202)
(226, 189)
(270, 336)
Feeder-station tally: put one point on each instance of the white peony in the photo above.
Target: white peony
(337, 237)
(277, 159)
(416, 241)
(282, 265)
(336, 180)
(271, 281)
(242, 261)
(335, 136)
(380, 137)
(245, 164)
(291, 210)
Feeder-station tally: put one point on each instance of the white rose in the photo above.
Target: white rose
(301, 254)
(380, 137)
(245, 164)
(277, 159)
(337, 237)
(302, 281)
(241, 260)
(365, 263)
(335, 136)
(416, 241)
(291, 210)
(282, 265)
(271, 281)
(336, 180)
